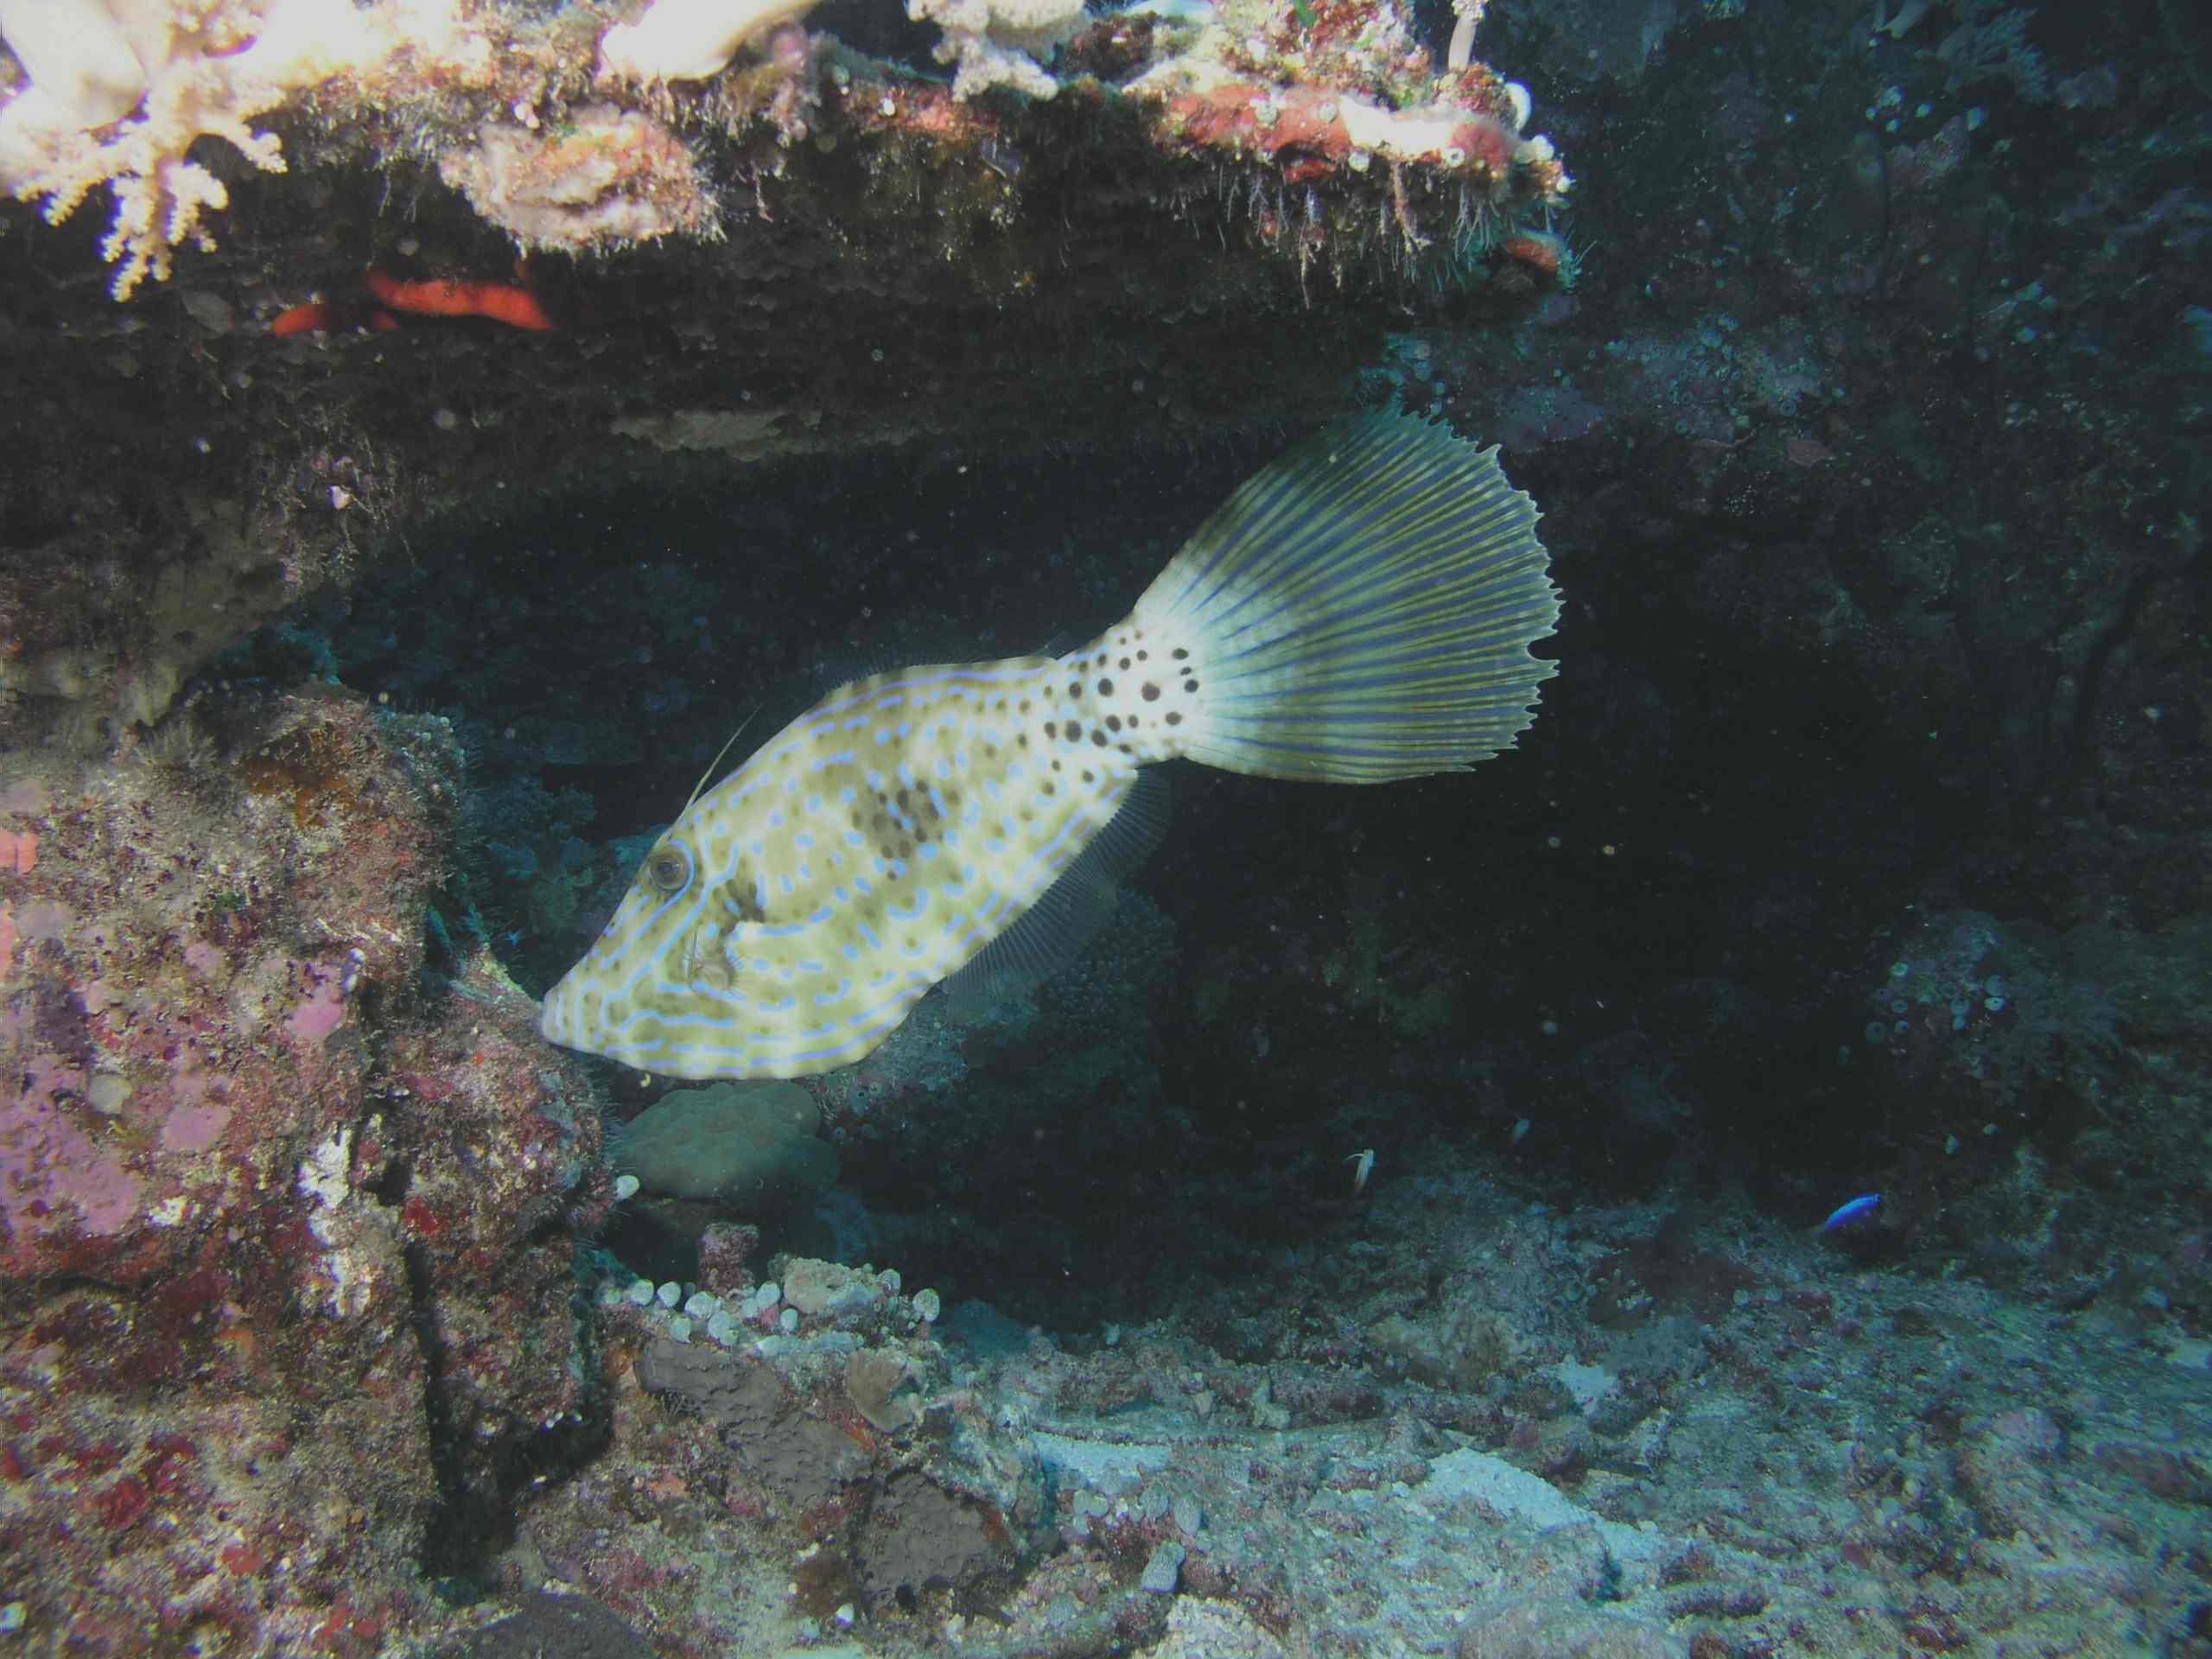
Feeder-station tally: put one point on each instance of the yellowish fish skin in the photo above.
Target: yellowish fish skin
(1359, 612)
(789, 919)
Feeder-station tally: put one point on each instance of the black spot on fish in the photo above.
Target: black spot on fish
(1175, 720)
(1075, 731)
(1051, 788)
(1190, 685)
(1151, 693)
(1180, 654)
(1125, 664)
(1023, 740)
(1144, 656)
(1113, 722)
(1023, 708)
(1051, 728)
(1105, 688)
(1075, 688)
(1086, 778)
(1098, 737)
(902, 800)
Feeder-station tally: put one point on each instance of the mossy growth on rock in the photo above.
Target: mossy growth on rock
(751, 1145)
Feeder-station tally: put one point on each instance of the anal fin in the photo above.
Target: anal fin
(1052, 931)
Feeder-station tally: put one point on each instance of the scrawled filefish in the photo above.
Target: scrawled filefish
(1361, 611)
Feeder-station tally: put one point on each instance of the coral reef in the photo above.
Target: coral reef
(716, 210)
(1401, 1232)
(286, 1254)
(815, 1458)
(1605, 1482)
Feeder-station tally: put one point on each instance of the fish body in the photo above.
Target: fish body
(871, 848)
(1858, 1210)
(1360, 611)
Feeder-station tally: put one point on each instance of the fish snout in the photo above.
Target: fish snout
(560, 1015)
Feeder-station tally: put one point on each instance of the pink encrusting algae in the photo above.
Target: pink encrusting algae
(253, 1252)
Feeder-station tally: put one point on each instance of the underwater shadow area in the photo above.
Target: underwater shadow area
(1632, 959)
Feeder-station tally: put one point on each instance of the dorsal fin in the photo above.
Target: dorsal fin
(1054, 930)
(717, 760)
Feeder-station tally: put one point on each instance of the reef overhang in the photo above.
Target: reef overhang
(380, 263)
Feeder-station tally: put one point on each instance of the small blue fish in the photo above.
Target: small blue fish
(1858, 1210)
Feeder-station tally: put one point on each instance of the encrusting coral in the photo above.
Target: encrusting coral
(607, 176)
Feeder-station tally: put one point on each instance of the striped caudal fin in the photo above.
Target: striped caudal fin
(1361, 611)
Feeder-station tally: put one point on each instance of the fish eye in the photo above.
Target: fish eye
(668, 869)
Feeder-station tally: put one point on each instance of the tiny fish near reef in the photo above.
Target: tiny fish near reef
(1360, 611)
(1858, 1210)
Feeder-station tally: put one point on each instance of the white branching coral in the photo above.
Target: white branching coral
(120, 89)
(1000, 42)
(79, 61)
